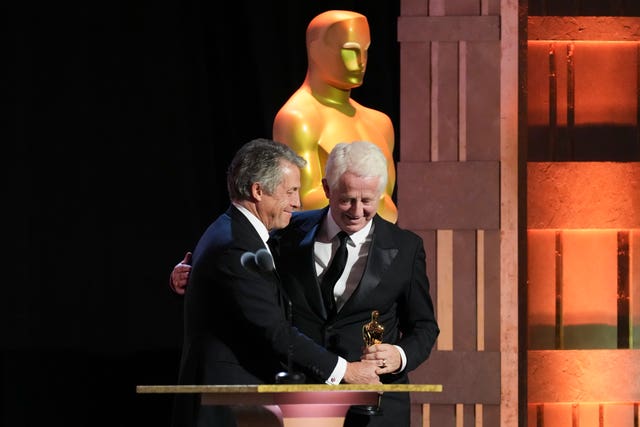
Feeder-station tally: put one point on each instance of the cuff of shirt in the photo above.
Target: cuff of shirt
(404, 359)
(338, 372)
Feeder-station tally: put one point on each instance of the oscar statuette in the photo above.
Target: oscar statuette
(372, 333)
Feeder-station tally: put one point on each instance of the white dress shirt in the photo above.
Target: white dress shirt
(358, 245)
(257, 224)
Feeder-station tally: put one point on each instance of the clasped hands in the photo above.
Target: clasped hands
(385, 356)
(376, 360)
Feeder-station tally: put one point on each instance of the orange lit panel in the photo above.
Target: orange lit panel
(618, 415)
(582, 101)
(538, 82)
(583, 376)
(557, 415)
(606, 82)
(541, 288)
(589, 414)
(634, 287)
(590, 271)
(583, 195)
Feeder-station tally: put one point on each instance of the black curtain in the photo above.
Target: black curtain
(122, 120)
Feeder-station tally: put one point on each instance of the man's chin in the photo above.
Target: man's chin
(284, 220)
(353, 226)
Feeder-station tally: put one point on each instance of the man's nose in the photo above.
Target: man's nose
(295, 202)
(356, 208)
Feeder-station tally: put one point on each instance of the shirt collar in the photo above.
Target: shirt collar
(255, 221)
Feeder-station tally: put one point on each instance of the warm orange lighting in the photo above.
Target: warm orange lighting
(583, 376)
(576, 211)
(605, 82)
(583, 221)
(573, 290)
(590, 278)
(583, 195)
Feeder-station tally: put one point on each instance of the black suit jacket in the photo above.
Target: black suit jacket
(235, 327)
(394, 282)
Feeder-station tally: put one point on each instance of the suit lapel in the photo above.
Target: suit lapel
(382, 252)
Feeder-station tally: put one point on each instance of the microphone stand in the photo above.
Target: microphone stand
(290, 377)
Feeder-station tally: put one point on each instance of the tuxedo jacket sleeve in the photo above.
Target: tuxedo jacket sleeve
(236, 330)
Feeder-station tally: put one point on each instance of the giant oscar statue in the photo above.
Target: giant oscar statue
(321, 113)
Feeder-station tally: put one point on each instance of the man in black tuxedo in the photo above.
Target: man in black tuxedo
(385, 270)
(235, 327)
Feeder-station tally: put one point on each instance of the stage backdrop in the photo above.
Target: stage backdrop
(124, 118)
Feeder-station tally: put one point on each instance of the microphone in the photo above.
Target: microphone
(259, 262)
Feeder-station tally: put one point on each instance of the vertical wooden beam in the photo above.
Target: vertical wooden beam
(480, 276)
(459, 415)
(479, 417)
(445, 285)
(623, 290)
(462, 101)
(540, 415)
(512, 373)
(519, 159)
(638, 101)
(634, 287)
(553, 103)
(571, 102)
(601, 415)
(559, 325)
(435, 94)
(426, 415)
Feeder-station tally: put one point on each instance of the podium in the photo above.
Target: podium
(290, 405)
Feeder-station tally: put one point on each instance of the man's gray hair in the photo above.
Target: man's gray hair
(361, 158)
(259, 160)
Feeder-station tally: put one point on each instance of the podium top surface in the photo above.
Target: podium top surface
(284, 388)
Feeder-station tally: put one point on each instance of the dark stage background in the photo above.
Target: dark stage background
(123, 119)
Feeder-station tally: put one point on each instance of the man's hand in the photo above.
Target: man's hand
(363, 372)
(385, 356)
(180, 275)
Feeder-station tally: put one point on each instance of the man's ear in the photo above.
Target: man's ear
(325, 187)
(257, 191)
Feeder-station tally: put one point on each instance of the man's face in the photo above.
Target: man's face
(354, 202)
(275, 209)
